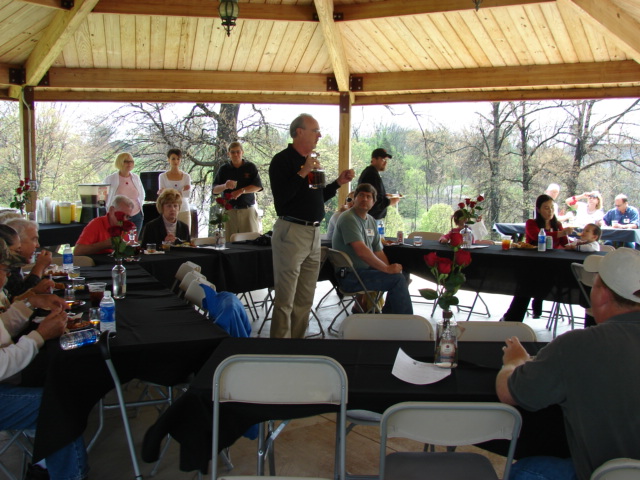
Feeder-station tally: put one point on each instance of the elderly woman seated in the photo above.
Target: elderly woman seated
(167, 227)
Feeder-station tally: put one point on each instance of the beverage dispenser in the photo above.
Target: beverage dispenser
(94, 199)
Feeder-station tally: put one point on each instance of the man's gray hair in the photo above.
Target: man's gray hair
(298, 122)
(121, 199)
(20, 225)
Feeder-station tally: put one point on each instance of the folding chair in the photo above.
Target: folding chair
(450, 424)
(182, 271)
(204, 241)
(340, 261)
(20, 439)
(195, 293)
(488, 331)
(618, 469)
(279, 379)
(380, 327)
(241, 236)
(186, 281)
(78, 261)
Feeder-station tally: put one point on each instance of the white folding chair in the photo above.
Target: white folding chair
(182, 271)
(20, 440)
(607, 248)
(381, 326)
(488, 331)
(450, 424)
(241, 236)
(195, 293)
(435, 236)
(617, 469)
(279, 379)
(186, 281)
(204, 241)
(78, 261)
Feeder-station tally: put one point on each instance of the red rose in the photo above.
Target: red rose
(119, 215)
(431, 259)
(128, 226)
(444, 266)
(462, 257)
(228, 206)
(115, 230)
(18, 190)
(467, 201)
(472, 205)
(220, 201)
(21, 183)
(26, 187)
(480, 198)
(455, 239)
(227, 196)
(461, 205)
(26, 180)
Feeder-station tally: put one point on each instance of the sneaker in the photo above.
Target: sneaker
(36, 472)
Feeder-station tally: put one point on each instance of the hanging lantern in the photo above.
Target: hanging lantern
(229, 11)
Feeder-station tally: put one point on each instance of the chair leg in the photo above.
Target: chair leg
(92, 442)
(321, 332)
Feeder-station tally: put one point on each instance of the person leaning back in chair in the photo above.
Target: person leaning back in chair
(592, 374)
(356, 234)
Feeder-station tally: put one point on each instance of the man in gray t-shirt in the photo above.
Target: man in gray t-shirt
(592, 374)
(356, 234)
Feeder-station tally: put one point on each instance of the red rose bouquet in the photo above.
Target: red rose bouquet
(471, 209)
(220, 215)
(121, 247)
(21, 195)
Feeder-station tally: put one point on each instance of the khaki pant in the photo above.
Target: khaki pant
(242, 220)
(296, 264)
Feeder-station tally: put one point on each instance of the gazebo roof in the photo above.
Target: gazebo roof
(309, 51)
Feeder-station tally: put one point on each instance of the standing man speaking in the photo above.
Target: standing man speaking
(371, 175)
(296, 233)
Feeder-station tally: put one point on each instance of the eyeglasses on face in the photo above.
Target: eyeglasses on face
(349, 199)
(593, 196)
(314, 130)
(128, 161)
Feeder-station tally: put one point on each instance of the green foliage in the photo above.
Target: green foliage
(437, 219)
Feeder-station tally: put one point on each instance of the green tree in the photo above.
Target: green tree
(437, 219)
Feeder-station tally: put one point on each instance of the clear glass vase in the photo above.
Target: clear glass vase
(219, 238)
(119, 278)
(446, 347)
(467, 236)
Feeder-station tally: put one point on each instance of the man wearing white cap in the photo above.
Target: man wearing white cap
(592, 374)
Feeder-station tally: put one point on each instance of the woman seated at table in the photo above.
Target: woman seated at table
(167, 227)
(545, 218)
(457, 219)
(343, 208)
(589, 212)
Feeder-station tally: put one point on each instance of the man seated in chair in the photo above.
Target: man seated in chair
(356, 234)
(95, 237)
(591, 373)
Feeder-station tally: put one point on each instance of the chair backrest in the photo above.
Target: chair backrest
(280, 379)
(384, 326)
(426, 235)
(239, 237)
(618, 469)
(339, 259)
(607, 248)
(488, 331)
(583, 278)
(187, 267)
(195, 293)
(451, 424)
(204, 241)
(188, 278)
(78, 261)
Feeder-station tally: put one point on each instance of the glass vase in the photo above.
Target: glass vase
(219, 238)
(446, 347)
(119, 278)
(467, 236)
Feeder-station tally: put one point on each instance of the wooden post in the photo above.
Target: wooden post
(28, 127)
(344, 141)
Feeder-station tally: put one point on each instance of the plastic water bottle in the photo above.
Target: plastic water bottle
(107, 313)
(67, 258)
(542, 241)
(77, 339)
(381, 228)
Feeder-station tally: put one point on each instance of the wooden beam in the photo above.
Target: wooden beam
(626, 71)
(499, 95)
(333, 43)
(55, 37)
(206, 9)
(344, 141)
(610, 19)
(93, 78)
(46, 3)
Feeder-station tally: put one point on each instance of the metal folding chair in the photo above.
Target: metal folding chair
(21, 440)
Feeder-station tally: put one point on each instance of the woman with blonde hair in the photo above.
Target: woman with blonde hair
(167, 227)
(125, 182)
(343, 208)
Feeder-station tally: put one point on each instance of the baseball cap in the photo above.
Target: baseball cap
(380, 152)
(619, 270)
(9, 258)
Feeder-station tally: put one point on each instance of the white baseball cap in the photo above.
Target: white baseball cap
(619, 270)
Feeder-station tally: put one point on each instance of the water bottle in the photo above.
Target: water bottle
(542, 241)
(77, 339)
(67, 258)
(381, 228)
(107, 313)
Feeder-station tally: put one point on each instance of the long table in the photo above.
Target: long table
(608, 233)
(371, 386)
(159, 339)
(531, 273)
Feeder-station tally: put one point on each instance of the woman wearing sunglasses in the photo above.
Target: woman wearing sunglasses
(334, 218)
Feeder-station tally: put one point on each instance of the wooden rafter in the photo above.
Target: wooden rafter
(333, 42)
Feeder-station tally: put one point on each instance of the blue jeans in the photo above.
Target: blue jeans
(398, 299)
(138, 218)
(543, 468)
(19, 407)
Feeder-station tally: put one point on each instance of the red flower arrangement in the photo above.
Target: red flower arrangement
(220, 215)
(121, 248)
(471, 209)
(21, 196)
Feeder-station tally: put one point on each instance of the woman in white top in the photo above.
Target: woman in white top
(179, 180)
(589, 212)
(125, 182)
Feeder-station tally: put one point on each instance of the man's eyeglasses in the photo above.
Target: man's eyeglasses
(314, 130)
(349, 199)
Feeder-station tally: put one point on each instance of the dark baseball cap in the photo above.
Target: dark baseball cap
(380, 152)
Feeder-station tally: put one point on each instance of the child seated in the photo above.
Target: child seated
(458, 219)
(588, 241)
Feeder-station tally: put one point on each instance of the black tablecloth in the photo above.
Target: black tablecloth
(159, 339)
(527, 273)
(612, 234)
(371, 386)
(57, 234)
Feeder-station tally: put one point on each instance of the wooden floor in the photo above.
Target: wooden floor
(304, 448)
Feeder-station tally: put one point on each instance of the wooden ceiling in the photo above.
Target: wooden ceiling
(317, 51)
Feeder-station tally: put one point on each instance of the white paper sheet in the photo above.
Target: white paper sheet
(419, 373)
